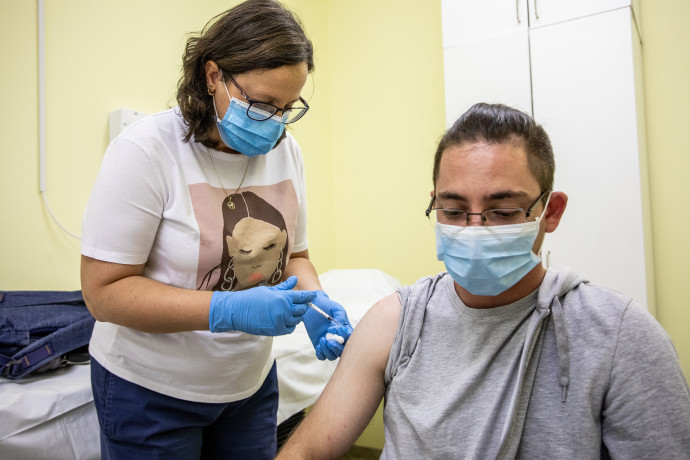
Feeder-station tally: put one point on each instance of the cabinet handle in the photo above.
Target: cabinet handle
(536, 12)
(517, 11)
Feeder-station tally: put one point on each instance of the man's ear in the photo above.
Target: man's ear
(554, 211)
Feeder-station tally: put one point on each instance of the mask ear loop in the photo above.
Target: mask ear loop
(546, 206)
(225, 84)
(538, 219)
(214, 103)
(218, 120)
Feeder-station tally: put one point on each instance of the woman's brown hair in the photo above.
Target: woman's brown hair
(254, 35)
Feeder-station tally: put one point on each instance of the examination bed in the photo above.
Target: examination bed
(52, 416)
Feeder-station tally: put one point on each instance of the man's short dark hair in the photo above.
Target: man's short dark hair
(500, 124)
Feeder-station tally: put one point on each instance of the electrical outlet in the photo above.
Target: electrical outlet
(120, 119)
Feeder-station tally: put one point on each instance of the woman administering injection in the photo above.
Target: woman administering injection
(193, 240)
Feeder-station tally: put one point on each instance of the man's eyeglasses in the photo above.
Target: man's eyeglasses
(261, 111)
(489, 217)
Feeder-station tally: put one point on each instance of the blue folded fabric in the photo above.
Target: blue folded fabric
(41, 330)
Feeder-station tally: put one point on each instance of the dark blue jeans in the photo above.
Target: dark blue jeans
(137, 423)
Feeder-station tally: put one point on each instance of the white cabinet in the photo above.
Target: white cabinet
(581, 79)
(544, 12)
(488, 18)
(486, 54)
(468, 79)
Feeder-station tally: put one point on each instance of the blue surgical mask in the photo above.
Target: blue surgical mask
(247, 136)
(488, 260)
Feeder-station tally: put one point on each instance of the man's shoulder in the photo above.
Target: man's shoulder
(591, 295)
(594, 309)
(575, 292)
(424, 288)
(598, 304)
(591, 303)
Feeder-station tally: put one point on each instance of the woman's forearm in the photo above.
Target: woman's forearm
(120, 294)
(301, 267)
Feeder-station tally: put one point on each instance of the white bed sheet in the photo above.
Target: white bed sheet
(52, 416)
(49, 417)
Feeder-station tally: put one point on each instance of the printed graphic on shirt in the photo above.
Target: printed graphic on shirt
(246, 237)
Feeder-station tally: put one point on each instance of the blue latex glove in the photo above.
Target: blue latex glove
(318, 326)
(261, 310)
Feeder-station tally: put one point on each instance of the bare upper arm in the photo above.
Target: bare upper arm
(373, 338)
(120, 294)
(97, 275)
(355, 390)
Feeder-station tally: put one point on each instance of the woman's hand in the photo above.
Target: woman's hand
(261, 310)
(318, 327)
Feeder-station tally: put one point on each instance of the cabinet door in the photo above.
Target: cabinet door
(584, 96)
(544, 12)
(466, 21)
(486, 54)
(494, 70)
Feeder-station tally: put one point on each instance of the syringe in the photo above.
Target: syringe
(324, 314)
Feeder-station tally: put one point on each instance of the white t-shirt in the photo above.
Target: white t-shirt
(162, 202)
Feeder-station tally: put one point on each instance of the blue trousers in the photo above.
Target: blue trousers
(137, 423)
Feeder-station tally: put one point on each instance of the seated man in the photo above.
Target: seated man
(499, 357)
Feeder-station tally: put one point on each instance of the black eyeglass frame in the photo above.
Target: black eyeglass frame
(528, 211)
(277, 109)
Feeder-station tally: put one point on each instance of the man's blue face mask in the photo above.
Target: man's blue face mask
(247, 136)
(488, 260)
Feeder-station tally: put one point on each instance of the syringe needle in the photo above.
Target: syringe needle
(324, 314)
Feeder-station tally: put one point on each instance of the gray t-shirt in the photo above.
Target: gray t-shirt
(503, 383)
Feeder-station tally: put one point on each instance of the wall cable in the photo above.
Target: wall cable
(42, 117)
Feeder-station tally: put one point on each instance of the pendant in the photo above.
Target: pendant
(230, 204)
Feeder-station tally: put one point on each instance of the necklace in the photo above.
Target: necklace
(230, 204)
